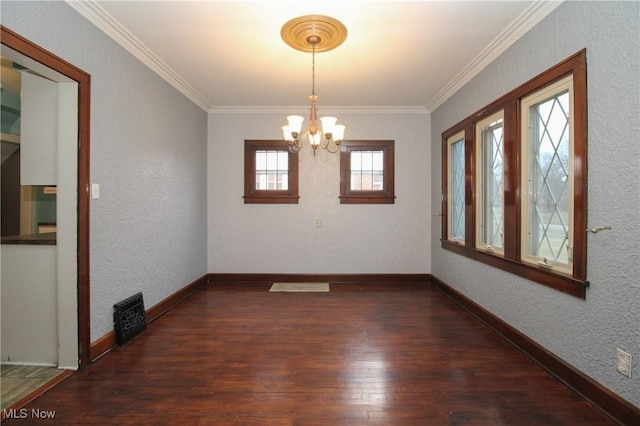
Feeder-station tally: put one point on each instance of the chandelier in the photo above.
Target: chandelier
(313, 33)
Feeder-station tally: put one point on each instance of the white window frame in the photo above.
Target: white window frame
(452, 140)
(554, 89)
(272, 177)
(480, 184)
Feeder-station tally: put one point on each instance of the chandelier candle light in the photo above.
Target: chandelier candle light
(313, 33)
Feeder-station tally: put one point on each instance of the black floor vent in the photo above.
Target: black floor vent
(129, 318)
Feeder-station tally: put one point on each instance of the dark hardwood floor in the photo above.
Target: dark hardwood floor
(371, 354)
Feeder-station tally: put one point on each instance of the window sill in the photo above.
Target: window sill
(366, 199)
(271, 199)
(564, 283)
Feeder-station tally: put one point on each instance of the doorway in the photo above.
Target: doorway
(72, 292)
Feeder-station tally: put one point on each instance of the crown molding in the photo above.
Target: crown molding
(304, 109)
(93, 12)
(518, 28)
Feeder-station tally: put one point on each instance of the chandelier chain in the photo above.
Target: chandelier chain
(313, 70)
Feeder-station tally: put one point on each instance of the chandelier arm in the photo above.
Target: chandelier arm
(330, 151)
(296, 146)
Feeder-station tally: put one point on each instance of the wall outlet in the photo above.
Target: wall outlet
(623, 362)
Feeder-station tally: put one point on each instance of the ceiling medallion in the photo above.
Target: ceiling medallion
(313, 33)
(327, 32)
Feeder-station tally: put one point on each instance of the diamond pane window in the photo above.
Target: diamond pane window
(548, 197)
(490, 168)
(520, 196)
(456, 188)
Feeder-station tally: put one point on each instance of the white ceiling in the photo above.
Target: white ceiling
(398, 55)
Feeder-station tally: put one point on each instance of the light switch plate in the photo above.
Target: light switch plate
(95, 191)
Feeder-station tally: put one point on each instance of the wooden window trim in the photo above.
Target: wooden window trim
(387, 195)
(255, 196)
(576, 282)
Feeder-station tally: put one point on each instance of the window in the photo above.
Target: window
(272, 170)
(547, 176)
(456, 200)
(270, 173)
(514, 180)
(366, 172)
(490, 183)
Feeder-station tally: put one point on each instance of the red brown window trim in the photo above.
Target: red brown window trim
(384, 196)
(255, 196)
(576, 282)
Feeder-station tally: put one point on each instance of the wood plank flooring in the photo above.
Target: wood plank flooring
(362, 354)
(18, 381)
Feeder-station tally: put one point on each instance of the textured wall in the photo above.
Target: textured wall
(271, 238)
(148, 153)
(585, 333)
